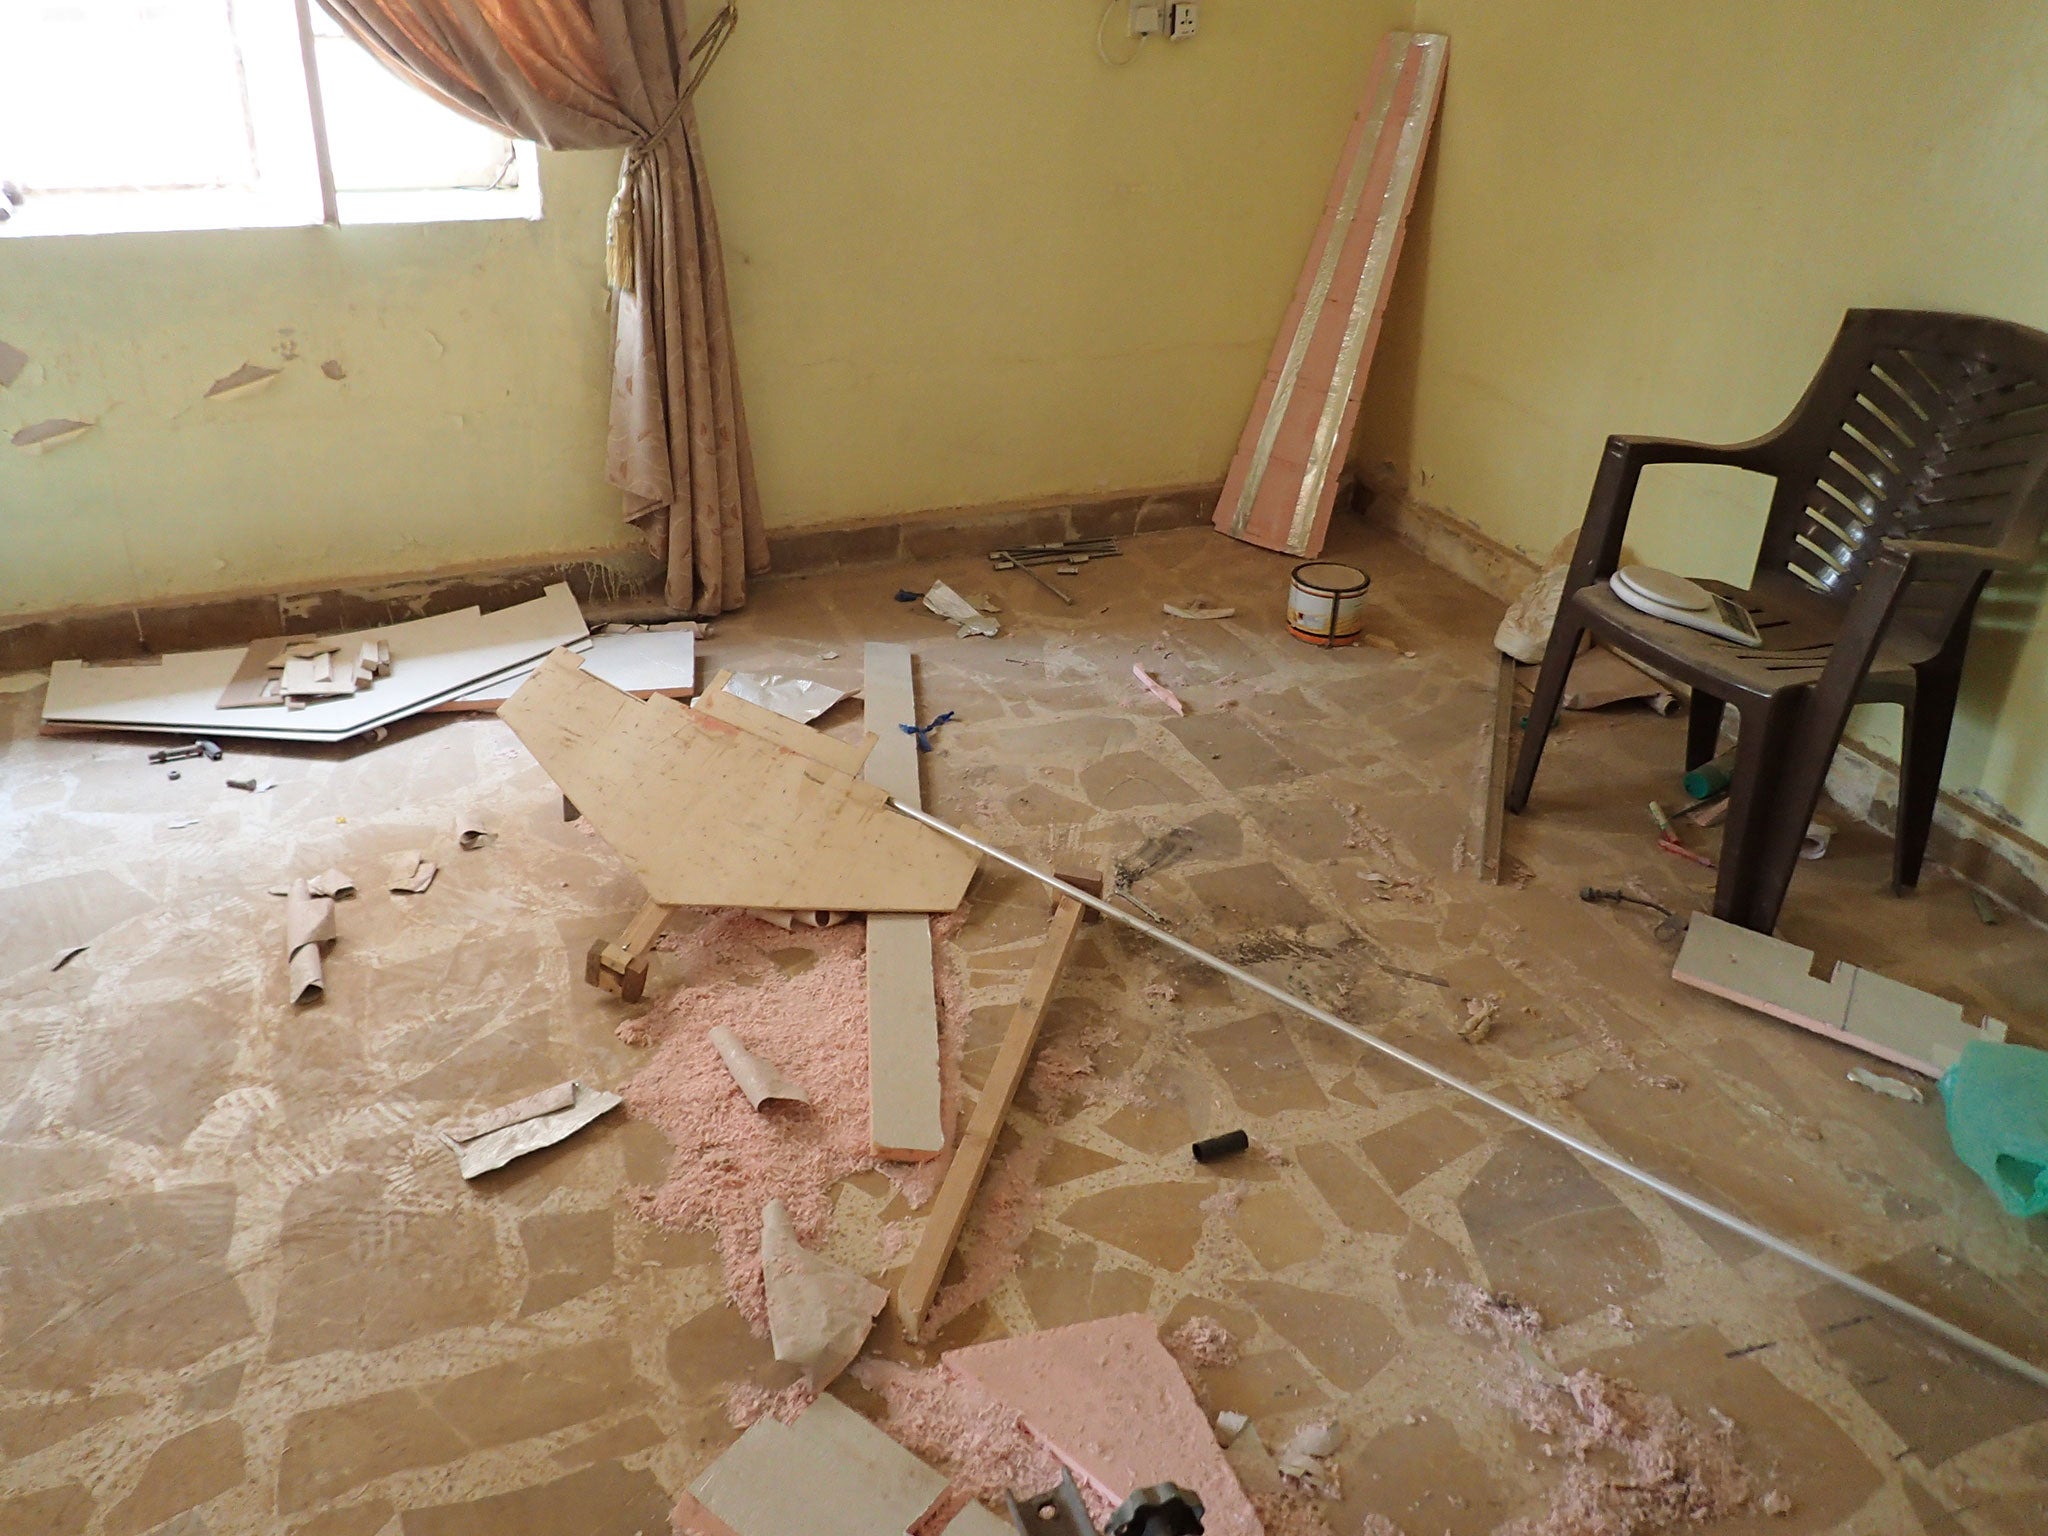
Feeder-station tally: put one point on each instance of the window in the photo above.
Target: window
(213, 114)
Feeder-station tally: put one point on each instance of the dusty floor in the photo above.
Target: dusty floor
(241, 1290)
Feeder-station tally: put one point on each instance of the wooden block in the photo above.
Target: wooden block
(709, 814)
(903, 1015)
(1860, 1008)
(920, 1282)
(1493, 824)
(831, 1473)
(1109, 1401)
(1283, 478)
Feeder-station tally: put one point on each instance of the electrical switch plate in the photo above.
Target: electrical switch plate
(1180, 20)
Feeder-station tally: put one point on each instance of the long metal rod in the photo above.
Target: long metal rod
(1961, 1337)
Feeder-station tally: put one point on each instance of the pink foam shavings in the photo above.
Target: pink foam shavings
(729, 1158)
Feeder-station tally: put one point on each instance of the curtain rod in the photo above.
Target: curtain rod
(1961, 1337)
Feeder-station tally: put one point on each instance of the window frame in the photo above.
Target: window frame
(291, 200)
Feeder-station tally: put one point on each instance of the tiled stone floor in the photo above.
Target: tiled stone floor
(241, 1291)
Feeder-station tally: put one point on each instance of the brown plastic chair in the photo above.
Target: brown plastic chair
(1912, 469)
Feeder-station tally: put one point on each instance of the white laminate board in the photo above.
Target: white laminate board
(432, 659)
(639, 662)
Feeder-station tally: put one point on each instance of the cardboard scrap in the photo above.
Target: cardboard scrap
(546, 1102)
(408, 873)
(308, 925)
(759, 1080)
(1197, 608)
(1109, 1401)
(470, 831)
(950, 605)
(333, 883)
(66, 956)
(1158, 690)
(784, 918)
(497, 1146)
(819, 1312)
(1600, 677)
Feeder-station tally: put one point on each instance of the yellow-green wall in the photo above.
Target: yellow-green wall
(1649, 218)
(969, 262)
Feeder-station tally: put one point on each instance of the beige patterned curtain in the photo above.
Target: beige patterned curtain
(592, 74)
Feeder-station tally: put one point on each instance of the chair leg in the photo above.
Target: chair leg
(1928, 718)
(1750, 796)
(1703, 729)
(1558, 656)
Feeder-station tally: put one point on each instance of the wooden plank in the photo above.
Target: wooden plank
(1283, 480)
(791, 735)
(903, 1016)
(1493, 823)
(920, 1282)
(831, 1473)
(1859, 1008)
(1109, 1401)
(711, 815)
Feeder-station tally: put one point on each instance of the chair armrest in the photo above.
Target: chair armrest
(1758, 454)
(1598, 553)
(1983, 557)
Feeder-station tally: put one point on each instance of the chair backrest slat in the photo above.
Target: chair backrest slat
(1918, 425)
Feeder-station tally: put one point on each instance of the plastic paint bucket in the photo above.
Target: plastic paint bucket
(1326, 603)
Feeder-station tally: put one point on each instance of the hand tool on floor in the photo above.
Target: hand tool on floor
(1165, 1509)
(1006, 563)
(200, 748)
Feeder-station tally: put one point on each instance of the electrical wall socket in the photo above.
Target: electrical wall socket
(1147, 20)
(1180, 19)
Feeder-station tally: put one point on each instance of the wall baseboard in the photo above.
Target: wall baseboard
(609, 583)
(1863, 782)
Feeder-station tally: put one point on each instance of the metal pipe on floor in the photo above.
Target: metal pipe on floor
(1960, 1337)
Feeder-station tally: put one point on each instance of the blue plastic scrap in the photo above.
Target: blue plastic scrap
(1997, 1098)
(923, 733)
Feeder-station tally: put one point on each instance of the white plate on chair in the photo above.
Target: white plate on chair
(1680, 600)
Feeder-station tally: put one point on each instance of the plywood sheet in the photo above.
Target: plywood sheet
(1108, 1400)
(831, 1473)
(1283, 480)
(708, 814)
(432, 659)
(1860, 1008)
(903, 1016)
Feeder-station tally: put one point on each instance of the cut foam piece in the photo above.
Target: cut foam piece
(1109, 1401)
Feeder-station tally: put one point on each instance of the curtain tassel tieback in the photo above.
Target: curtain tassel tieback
(622, 223)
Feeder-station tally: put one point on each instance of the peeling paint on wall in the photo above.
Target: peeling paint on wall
(12, 361)
(40, 435)
(245, 378)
